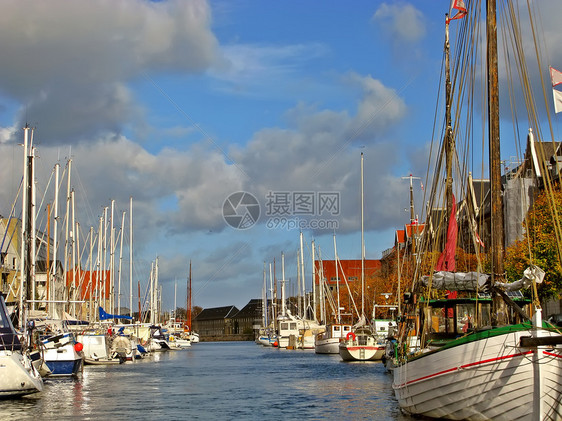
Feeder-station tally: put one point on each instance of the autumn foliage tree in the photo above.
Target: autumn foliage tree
(539, 246)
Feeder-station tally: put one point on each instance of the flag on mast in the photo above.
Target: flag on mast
(557, 100)
(556, 77)
(460, 7)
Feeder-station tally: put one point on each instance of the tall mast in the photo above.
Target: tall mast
(283, 303)
(122, 233)
(275, 304)
(66, 229)
(273, 297)
(73, 251)
(362, 247)
(48, 266)
(175, 294)
(313, 285)
(449, 140)
(412, 212)
(131, 257)
(32, 233)
(23, 250)
(92, 286)
(338, 315)
(112, 258)
(55, 235)
(264, 298)
(188, 315)
(497, 229)
(302, 278)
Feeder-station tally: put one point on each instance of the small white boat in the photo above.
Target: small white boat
(158, 340)
(18, 376)
(61, 353)
(178, 342)
(96, 349)
(266, 338)
(361, 345)
(328, 342)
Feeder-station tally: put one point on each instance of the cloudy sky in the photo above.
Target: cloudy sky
(180, 104)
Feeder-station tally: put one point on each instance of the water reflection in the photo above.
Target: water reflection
(218, 381)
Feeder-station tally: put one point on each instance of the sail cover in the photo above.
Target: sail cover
(456, 281)
(472, 281)
(106, 316)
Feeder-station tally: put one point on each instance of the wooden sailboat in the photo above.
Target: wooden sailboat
(481, 356)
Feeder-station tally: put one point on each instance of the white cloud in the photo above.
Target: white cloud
(402, 22)
(70, 62)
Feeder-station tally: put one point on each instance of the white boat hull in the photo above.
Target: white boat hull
(179, 343)
(17, 375)
(490, 378)
(349, 352)
(327, 346)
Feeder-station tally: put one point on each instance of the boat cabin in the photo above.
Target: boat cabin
(446, 319)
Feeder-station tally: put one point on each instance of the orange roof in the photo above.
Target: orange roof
(414, 229)
(400, 237)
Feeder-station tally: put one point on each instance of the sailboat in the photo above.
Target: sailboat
(18, 376)
(481, 355)
(266, 335)
(361, 344)
(328, 342)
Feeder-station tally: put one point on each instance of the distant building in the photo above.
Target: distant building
(248, 320)
(215, 322)
(351, 269)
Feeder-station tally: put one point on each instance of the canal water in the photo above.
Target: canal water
(218, 381)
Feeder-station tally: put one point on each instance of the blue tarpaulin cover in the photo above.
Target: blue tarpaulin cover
(106, 316)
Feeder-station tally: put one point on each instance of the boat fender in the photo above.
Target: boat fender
(350, 335)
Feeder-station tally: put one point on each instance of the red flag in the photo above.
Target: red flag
(556, 76)
(447, 258)
(460, 6)
(478, 240)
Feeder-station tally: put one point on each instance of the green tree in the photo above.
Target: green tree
(539, 246)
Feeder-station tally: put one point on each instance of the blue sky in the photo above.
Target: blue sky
(181, 103)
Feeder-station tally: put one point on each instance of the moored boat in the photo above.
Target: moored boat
(484, 351)
(328, 341)
(18, 376)
(361, 345)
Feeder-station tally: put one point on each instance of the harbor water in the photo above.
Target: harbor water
(218, 381)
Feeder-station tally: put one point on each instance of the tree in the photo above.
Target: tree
(540, 240)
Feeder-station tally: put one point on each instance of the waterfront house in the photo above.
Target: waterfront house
(247, 321)
(215, 323)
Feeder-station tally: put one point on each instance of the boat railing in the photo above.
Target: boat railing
(9, 341)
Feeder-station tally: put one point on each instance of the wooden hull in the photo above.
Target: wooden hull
(486, 375)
